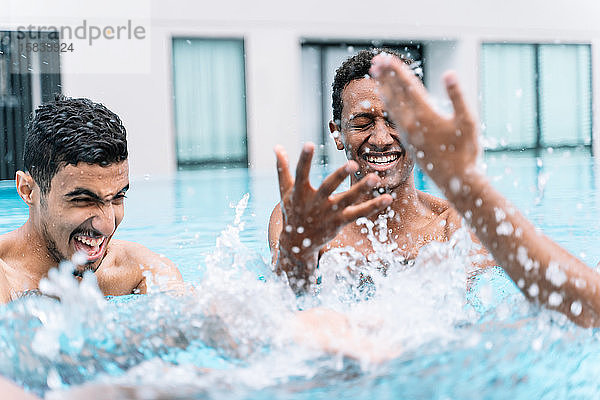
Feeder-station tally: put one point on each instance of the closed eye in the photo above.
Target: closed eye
(361, 126)
(118, 199)
(82, 200)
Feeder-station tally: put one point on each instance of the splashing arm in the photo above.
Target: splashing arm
(545, 272)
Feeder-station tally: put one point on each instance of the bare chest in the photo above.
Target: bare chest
(367, 240)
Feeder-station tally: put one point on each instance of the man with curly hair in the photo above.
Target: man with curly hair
(308, 222)
(75, 182)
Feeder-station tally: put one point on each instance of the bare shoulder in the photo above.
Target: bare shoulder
(440, 207)
(444, 211)
(8, 242)
(137, 255)
(5, 296)
(4, 239)
(7, 252)
(435, 204)
(453, 222)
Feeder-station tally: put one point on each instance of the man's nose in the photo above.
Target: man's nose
(104, 221)
(381, 136)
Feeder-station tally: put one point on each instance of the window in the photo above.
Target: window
(536, 95)
(319, 63)
(27, 79)
(565, 94)
(210, 102)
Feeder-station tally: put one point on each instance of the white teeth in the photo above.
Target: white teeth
(381, 159)
(90, 241)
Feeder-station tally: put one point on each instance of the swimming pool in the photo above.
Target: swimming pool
(485, 343)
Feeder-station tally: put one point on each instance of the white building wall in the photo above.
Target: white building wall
(273, 30)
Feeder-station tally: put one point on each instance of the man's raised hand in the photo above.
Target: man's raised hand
(447, 147)
(312, 217)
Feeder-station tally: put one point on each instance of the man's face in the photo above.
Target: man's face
(369, 137)
(82, 210)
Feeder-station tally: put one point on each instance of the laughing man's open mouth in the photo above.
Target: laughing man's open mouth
(91, 245)
(382, 160)
(386, 158)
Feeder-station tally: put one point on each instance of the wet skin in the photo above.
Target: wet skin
(77, 217)
(372, 141)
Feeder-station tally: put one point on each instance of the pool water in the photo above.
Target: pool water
(487, 342)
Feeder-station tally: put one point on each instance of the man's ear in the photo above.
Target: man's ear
(337, 135)
(25, 187)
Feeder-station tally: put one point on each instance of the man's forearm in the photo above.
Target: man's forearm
(448, 147)
(543, 270)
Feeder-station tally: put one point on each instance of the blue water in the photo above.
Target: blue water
(512, 350)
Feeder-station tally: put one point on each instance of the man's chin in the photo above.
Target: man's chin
(390, 183)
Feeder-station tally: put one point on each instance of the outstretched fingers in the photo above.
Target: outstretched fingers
(283, 171)
(392, 72)
(391, 87)
(461, 110)
(367, 208)
(356, 191)
(385, 67)
(303, 167)
(336, 178)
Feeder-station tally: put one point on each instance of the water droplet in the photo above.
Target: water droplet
(576, 308)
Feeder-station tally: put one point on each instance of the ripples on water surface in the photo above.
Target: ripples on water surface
(233, 337)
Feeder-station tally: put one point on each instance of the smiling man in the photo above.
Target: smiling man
(309, 222)
(75, 184)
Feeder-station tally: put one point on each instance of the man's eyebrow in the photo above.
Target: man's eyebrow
(86, 192)
(362, 114)
(82, 192)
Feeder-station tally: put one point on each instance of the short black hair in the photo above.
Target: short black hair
(68, 131)
(356, 67)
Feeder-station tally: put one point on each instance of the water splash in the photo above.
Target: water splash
(399, 302)
(233, 337)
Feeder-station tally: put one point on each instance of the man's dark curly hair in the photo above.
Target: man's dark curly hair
(356, 67)
(68, 131)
